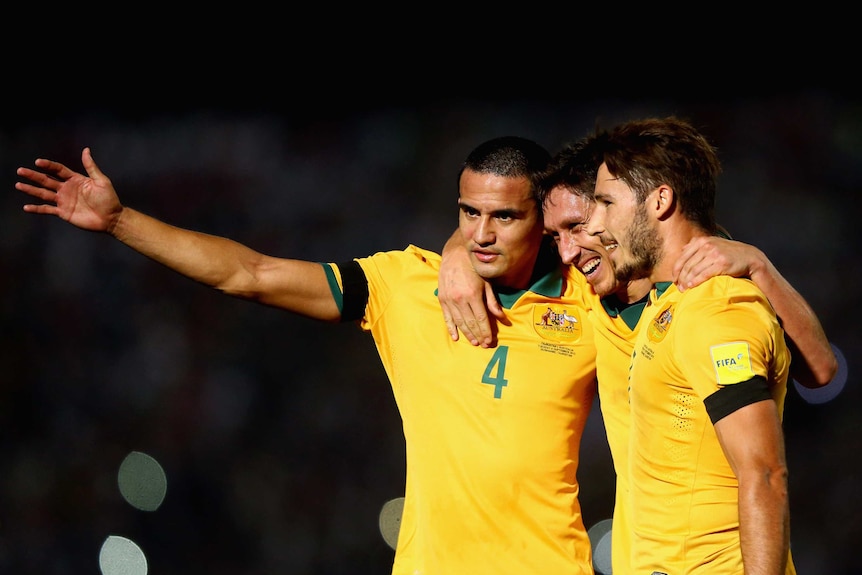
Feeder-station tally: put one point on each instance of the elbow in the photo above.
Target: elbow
(239, 293)
(822, 374)
(772, 476)
(777, 480)
(815, 373)
(828, 372)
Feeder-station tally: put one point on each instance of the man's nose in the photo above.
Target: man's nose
(484, 232)
(569, 250)
(596, 224)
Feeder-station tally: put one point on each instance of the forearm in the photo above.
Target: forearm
(294, 285)
(211, 260)
(815, 363)
(752, 440)
(764, 524)
(455, 241)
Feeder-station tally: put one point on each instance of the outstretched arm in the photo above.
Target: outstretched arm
(91, 203)
(464, 296)
(705, 257)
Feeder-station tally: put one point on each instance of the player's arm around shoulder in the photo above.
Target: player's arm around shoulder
(704, 257)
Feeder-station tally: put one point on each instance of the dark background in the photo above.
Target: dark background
(279, 436)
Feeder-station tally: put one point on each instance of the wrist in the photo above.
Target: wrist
(115, 222)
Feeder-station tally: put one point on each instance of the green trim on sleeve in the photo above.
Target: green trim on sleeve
(333, 286)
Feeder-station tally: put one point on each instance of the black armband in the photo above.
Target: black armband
(354, 290)
(732, 397)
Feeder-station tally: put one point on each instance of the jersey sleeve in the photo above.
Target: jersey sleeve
(728, 332)
(363, 286)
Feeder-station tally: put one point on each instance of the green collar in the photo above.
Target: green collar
(629, 312)
(661, 287)
(547, 280)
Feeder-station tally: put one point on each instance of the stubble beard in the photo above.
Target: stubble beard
(644, 246)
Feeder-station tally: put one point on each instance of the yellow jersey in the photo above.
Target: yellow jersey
(492, 435)
(683, 492)
(616, 328)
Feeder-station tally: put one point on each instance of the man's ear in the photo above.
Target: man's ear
(663, 201)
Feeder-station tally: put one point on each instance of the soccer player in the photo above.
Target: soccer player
(492, 434)
(709, 370)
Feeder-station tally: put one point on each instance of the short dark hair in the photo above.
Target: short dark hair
(509, 157)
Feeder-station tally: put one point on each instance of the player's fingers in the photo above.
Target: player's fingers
(465, 319)
(494, 307)
(495, 310)
(470, 329)
(90, 165)
(55, 171)
(42, 209)
(39, 178)
(449, 320)
(36, 191)
(692, 268)
(451, 327)
(478, 325)
(697, 272)
(688, 257)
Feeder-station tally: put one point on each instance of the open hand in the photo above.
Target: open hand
(88, 202)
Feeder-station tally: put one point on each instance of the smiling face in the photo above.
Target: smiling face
(501, 226)
(566, 216)
(621, 222)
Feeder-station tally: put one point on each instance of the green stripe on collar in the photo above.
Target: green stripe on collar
(661, 287)
(629, 312)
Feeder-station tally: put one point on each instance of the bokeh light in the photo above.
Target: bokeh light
(390, 520)
(121, 556)
(142, 481)
(832, 389)
(600, 539)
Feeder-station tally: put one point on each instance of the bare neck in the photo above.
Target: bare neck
(675, 233)
(635, 290)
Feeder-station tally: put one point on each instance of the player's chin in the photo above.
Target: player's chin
(489, 271)
(603, 281)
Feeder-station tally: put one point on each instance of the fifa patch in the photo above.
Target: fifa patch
(558, 323)
(660, 325)
(732, 362)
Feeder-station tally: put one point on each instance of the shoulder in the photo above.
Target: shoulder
(410, 254)
(723, 288)
(393, 263)
(723, 299)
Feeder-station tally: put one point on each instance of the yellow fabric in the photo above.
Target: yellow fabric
(492, 435)
(684, 495)
(614, 345)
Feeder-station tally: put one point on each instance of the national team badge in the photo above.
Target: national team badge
(660, 324)
(557, 322)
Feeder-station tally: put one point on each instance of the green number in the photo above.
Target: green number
(497, 362)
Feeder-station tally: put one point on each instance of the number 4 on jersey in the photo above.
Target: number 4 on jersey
(498, 365)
